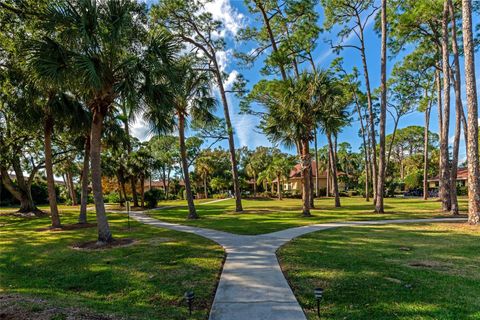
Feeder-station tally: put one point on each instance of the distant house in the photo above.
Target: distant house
(158, 184)
(462, 178)
(295, 181)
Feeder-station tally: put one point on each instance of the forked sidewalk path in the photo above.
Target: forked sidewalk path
(252, 285)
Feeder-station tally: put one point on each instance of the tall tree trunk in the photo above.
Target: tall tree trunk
(312, 187)
(306, 162)
(205, 191)
(444, 156)
(279, 191)
(371, 116)
(317, 185)
(142, 190)
(271, 37)
(133, 179)
(231, 143)
(383, 112)
(104, 234)
(458, 112)
(192, 213)
(425, 151)
(327, 190)
(472, 112)
(333, 165)
(392, 141)
(254, 185)
(365, 147)
(52, 195)
(82, 218)
(73, 193)
(124, 189)
(120, 191)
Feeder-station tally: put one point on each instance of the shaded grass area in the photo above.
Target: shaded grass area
(145, 280)
(269, 215)
(387, 272)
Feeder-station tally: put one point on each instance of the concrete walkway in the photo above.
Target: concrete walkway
(252, 285)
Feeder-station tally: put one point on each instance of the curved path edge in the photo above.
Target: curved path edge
(252, 284)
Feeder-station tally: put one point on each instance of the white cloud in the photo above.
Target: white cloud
(245, 130)
(223, 11)
(223, 58)
(231, 79)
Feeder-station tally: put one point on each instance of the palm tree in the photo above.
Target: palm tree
(333, 101)
(281, 166)
(204, 168)
(472, 112)
(93, 47)
(190, 97)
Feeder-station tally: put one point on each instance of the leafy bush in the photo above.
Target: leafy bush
(112, 197)
(39, 192)
(152, 197)
(462, 190)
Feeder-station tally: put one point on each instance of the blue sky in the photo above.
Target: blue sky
(234, 15)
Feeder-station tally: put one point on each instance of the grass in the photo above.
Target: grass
(387, 272)
(269, 215)
(146, 280)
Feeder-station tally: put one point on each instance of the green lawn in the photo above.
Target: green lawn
(146, 280)
(263, 216)
(388, 272)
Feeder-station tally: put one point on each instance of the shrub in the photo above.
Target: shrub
(462, 191)
(39, 192)
(111, 197)
(152, 197)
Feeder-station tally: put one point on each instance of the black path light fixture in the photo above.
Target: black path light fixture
(189, 296)
(318, 296)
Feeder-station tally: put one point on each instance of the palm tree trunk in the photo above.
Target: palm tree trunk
(104, 234)
(254, 185)
(312, 195)
(85, 173)
(279, 191)
(379, 208)
(192, 213)
(317, 185)
(120, 191)
(425, 152)
(142, 190)
(231, 143)
(327, 191)
(333, 167)
(205, 191)
(306, 162)
(124, 189)
(458, 113)
(444, 182)
(472, 112)
(52, 195)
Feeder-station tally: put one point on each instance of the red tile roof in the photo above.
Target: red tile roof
(462, 174)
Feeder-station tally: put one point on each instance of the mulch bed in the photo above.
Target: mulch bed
(67, 227)
(16, 307)
(95, 245)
